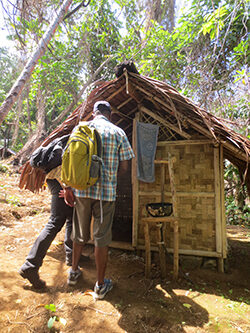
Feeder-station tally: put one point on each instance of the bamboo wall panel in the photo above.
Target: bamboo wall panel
(194, 173)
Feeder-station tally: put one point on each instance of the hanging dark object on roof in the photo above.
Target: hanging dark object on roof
(128, 65)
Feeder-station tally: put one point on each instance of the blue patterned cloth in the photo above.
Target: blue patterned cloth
(147, 135)
(116, 147)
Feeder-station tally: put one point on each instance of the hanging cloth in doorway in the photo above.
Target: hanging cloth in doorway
(147, 135)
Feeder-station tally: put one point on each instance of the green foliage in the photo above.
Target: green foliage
(237, 208)
(236, 215)
(50, 307)
(214, 22)
(4, 168)
(53, 318)
(100, 34)
(14, 201)
(9, 71)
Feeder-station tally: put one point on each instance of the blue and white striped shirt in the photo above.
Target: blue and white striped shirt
(116, 147)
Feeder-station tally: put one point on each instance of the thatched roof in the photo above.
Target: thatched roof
(179, 118)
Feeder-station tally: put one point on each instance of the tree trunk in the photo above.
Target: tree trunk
(28, 109)
(16, 126)
(37, 138)
(24, 76)
(162, 12)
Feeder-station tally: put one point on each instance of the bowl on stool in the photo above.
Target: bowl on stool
(159, 209)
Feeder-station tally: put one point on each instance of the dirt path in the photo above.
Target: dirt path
(202, 300)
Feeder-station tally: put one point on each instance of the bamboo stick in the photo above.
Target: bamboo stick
(176, 249)
(185, 142)
(178, 194)
(240, 154)
(115, 93)
(123, 115)
(218, 233)
(198, 253)
(175, 213)
(161, 162)
(128, 114)
(223, 215)
(147, 251)
(200, 129)
(124, 103)
(162, 181)
(172, 184)
(162, 255)
(135, 185)
(158, 219)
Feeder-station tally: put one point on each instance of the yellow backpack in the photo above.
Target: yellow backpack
(82, 157)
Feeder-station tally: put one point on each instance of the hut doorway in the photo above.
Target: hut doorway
(122, 223)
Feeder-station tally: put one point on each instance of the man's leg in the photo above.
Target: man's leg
(77, 251)
(39, 249)
(80, 235)
(75, 272)
(102, 233)
(68, 244)
(101, 259)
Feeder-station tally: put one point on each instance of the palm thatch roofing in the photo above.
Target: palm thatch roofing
(179, 119)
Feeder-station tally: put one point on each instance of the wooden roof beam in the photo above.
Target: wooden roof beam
(123, 115)
(115, 93)
(131, 112)
(157, 99)
(124, 103)
(164, 122)
(237, 151)
(162, 130)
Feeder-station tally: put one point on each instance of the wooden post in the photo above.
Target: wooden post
(162, 181)
(176, 250)
(147, 250)
(135, 185)
(175, 213)
(218, 230)
(161, 227)
(172, 184)
(223, 214)
(162, 255)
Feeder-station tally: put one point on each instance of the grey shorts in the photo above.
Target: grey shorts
(85, 208)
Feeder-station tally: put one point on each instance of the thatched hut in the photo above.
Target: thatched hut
(199, 143)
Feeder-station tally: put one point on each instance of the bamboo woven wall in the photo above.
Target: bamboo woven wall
(195, 186)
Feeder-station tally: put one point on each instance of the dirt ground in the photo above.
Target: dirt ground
(201, 300)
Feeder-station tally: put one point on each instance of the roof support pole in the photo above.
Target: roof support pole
(135, 185)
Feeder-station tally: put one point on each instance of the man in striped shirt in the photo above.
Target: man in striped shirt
(116, 153)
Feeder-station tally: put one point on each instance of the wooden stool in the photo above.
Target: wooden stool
(160, 224)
